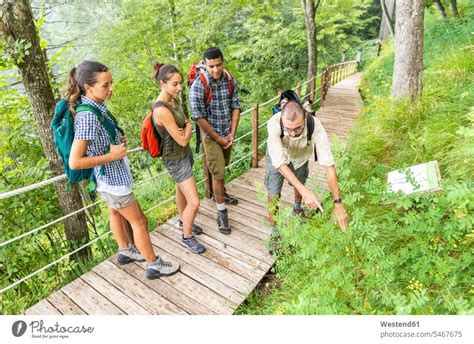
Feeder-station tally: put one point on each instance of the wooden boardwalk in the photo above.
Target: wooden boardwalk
(215, 282)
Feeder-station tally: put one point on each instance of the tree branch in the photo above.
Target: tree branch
(387, 17)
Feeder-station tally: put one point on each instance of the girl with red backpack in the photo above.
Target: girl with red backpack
(175, 130)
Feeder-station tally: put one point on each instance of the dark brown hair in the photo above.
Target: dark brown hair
(85, 73)
(163, 71)
(292, 110)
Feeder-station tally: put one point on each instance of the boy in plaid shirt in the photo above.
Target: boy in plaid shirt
(218, 123)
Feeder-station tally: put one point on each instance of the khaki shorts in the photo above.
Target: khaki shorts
(217, 157)
(117, 202)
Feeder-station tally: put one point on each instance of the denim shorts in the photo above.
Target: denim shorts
(181, 170)
(117, 202)
(274, 180)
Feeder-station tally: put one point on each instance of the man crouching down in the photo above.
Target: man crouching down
(293, 136)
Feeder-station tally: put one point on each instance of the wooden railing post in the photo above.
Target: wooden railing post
(298, 90)
(311, 88)
(255, 136)
(207, 175)
(322, 85)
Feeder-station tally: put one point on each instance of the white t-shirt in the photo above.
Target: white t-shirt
(297, 150)
(117, 190)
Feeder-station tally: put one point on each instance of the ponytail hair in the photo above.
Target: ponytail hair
(163, 71)
(85, 73)
(73, 93)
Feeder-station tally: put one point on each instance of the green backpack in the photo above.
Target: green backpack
(63, 131)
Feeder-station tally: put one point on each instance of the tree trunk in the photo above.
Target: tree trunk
(454, 8)
(309, 9)
(408, 64)
(441, 9)
(172, 15)
(18, 28)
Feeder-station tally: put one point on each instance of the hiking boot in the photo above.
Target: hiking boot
(161, 268)
(299, 212)
(131, 254)
(228, 199)
(223, 222)
(275, 244)
(193, 245)
(195, 228)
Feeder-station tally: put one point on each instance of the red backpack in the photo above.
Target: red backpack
(151, 139)
(195, 72)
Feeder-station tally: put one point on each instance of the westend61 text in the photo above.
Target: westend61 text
(400, 324)
(38, 327)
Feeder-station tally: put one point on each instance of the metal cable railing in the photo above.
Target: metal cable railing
(5, 243)
(53, 180)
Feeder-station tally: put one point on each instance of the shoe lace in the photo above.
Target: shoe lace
(165, 263)
(134, 249)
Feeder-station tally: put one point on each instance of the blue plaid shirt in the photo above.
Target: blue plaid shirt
(219, 111)
(88, 127)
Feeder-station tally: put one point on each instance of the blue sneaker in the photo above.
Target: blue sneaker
(195, 228)
(193, 245)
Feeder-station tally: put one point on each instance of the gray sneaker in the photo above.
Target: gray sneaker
(131, 254)
(223, 222)
(193, 245)
(161, 268)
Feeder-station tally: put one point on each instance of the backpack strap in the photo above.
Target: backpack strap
(109, 125)
(207, 87)
(311, 124)
(230, 81)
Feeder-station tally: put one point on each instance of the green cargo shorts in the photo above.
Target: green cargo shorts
(274, 180)
(217, 157)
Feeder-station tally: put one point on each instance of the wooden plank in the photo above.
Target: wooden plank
(200, 276)
(89, 299)
(42, 308)
(256, 198)
(137, 290)
(109, 291)
(222, 258)
(179, 289)
(226, 276)
(236, 214)
(64, 304)
(240, 241)
(253, 227)
(238, 218)
(257, 264)
(237, 233)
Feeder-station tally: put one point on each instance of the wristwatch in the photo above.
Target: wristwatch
(338, 200)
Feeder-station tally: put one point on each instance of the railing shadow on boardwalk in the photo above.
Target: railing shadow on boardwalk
(219, 280)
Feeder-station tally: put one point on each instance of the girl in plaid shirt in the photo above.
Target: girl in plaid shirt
(91, 83)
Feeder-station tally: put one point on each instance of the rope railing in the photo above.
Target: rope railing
(257, 146)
